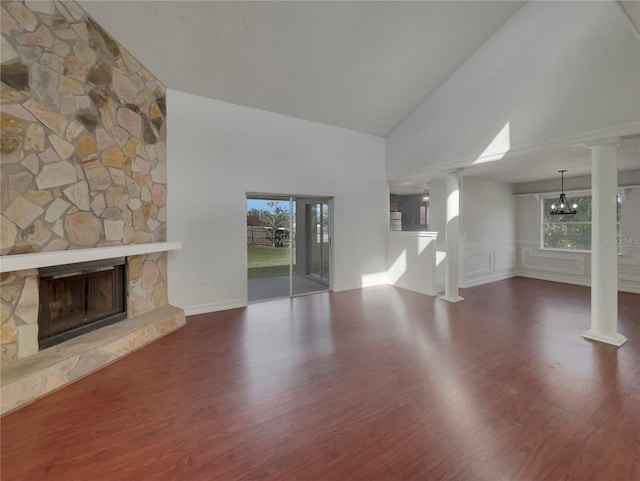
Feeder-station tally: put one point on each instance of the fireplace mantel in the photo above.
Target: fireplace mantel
(46, 259)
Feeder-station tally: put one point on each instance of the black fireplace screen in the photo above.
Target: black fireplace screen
(78, 298)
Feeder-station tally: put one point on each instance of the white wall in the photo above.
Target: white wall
(411, 261)
(556, 72)
(218, 152)
(489, 231)
(438, 223)
(575, 267)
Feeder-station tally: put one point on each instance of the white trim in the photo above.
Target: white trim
(214, 307)
(631, 259)
(412, 233)
(550, 194)
(578, 259)
(553, 194)
(623, 130)
(574, 251)
(453, 299)
(487, 267)
(617, 340)
(555, 249)
(551, 277)
(500, 263)
(475, 245)
(630, 288)
(56, 258)
(372, 282)
(488, 279)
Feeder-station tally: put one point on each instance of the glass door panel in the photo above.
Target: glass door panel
(288, 245)
(312, 241)
(268, 251)
(315, 239)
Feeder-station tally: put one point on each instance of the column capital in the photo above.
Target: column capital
(456, 171)
(614, 141)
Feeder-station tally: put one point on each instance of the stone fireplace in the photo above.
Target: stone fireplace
(79, 298)
(84, 178)
(33, 367)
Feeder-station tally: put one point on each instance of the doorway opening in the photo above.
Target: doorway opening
(288, 245)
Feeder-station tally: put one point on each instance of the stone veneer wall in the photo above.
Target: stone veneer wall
(19, 292)
(83, 159)
(83, 135)
(147, 283)
(147, 290)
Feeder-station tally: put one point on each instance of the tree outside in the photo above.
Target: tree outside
(571, 231)
(268, 228)
(275, 220)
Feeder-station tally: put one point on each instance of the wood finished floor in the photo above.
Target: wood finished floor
(372, 384)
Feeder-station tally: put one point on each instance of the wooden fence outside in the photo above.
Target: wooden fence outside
(260, 236)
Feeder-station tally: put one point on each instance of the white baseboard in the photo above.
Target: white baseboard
(623, 286)
(632, 288)
(371, 282)
(487, 279)
(214, 307)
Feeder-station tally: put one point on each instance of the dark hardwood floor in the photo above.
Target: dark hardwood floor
(372, 384)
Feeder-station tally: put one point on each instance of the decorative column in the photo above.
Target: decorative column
(604, 244)
(452, 235)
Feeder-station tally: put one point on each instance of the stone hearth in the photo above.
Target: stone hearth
(31, 378)
(28, 374)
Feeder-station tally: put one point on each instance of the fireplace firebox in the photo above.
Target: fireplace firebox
(78, 298)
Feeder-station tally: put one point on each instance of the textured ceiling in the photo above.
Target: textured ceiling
(360, 65)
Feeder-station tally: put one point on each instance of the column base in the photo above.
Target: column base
(617, 340)
(451, 298)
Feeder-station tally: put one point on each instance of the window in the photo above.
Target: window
(571, 232)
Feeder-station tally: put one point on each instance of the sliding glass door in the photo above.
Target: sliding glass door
(312, 245)
(288, 245)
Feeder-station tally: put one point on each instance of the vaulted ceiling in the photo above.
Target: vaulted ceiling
(360, 65)
(355, 64)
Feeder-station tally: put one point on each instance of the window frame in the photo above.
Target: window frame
(577, 193)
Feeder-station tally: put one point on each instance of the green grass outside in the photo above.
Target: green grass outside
(267, 261)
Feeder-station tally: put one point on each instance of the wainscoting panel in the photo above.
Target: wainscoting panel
(504, 259)
(556, 262)
(629, 267)
(478, 263)
(487, 262)
(575, 267)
